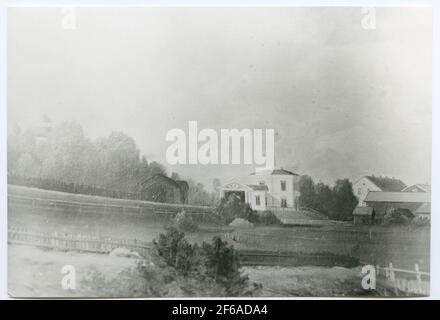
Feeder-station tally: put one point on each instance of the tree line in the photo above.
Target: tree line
(337, 202)
(61, 155)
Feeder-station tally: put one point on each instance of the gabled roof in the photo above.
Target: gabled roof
(387, 184)
(421, 187)
(275, 172)
(235, 185)
(379, 196)
(363, 211)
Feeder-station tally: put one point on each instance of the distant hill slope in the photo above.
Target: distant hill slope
(22, 191)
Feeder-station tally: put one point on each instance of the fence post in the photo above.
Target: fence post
(418, 275)
(419, 278)
(391, 272)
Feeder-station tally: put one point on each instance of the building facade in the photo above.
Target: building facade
(266, 190)
(364, 185)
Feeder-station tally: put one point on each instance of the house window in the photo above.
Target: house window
(283, 203)
(283, 185)
(257, 200)
(261, 182)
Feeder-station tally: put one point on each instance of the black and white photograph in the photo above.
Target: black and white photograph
(219, 151)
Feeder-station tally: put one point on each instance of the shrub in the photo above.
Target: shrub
(185, 222)
(397, 216)
(268, 218)
(421, 221)
(213, 268)
(175, 250)
(222, 265)
(233, 207)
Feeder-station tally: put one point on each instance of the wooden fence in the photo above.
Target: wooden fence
(128, 207)
(79, 242)
(398, 281)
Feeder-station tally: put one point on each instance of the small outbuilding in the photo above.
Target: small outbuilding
(160, 188)
(384, 201)
(363, 215)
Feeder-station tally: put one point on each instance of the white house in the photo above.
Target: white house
(266, 190)
(374, 183)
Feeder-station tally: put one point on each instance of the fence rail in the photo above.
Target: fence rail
(402, 281)
(141, 207)
(70, 242)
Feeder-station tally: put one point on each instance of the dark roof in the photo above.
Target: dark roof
(151, 180)
(387, 184)
(258, 187)
(182, 184)
(275, 171)
(363, 211)
(379, 196)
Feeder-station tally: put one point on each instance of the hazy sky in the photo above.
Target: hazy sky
(344, 101)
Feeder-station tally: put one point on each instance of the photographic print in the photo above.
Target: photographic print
(218, 151)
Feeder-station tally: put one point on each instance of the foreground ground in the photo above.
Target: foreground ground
(308, 281)
(36, 272)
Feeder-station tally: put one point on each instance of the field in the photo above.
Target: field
(404, 247)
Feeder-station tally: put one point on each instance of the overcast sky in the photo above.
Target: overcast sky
(344, 101)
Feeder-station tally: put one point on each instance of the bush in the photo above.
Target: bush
(175, 250)
(233, 207)
(212, 268)
(185, 222)
(397, 216)
(421, 221)
(268, 218)
(222, 265)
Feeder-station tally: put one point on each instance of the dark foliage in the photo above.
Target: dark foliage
(232, 207)
(215, 262)
(175, 250)
(62, 158)
(222, 265)
(337, 203)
